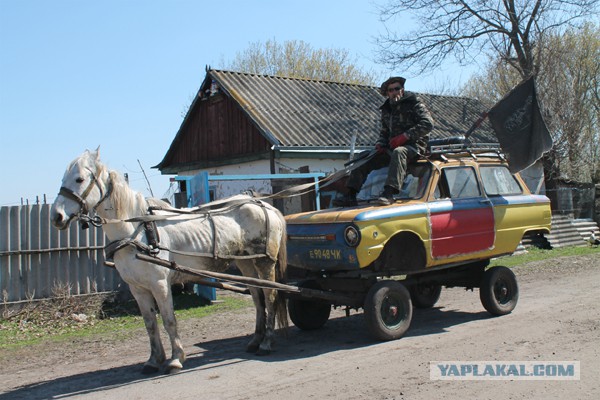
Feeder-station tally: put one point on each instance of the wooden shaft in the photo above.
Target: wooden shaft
(217, 275)
(205, 282)
(295, 291)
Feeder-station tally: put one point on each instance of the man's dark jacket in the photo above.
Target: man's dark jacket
(409, 115)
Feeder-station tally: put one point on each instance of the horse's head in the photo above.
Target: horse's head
(82, 189)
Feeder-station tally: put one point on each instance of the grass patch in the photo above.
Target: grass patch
(68, 317)
(535, 254)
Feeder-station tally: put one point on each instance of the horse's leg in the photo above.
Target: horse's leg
(145, 302)
(247, 269)
(266, 270)
(164, 298)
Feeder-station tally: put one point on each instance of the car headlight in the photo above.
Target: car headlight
(351, 236)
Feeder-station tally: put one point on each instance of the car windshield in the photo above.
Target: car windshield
(415, 183)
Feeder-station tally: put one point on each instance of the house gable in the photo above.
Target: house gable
(215, 132)
(239, 117)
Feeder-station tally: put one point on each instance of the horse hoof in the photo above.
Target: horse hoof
(263, 352)
(149, 369)
(173, 370)
(252, 348)
(173, 367)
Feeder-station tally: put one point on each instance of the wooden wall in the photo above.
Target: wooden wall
(217, 129)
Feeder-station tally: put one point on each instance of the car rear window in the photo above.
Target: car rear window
(498, 181)
(458, 183)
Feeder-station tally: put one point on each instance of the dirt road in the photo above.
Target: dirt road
(557, 319)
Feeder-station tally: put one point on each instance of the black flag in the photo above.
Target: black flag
(519, 126)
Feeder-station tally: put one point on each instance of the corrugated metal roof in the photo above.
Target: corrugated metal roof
(295, 114)
(302, 112)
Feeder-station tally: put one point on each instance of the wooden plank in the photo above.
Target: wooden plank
(45, 266)
(5, 247)
(35, 244)
(14, 263)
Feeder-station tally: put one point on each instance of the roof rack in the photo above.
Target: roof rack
(460, 145)
(475, 148)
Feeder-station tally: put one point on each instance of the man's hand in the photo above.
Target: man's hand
(398, 140)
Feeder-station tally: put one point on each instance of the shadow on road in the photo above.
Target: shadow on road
(338, 334)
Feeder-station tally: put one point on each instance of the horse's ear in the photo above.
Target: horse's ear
(95, 155)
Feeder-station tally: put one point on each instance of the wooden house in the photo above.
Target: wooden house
(241, 124)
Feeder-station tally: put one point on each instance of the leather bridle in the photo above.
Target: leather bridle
(84, 213)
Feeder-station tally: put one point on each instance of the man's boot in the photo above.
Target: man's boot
(347, 200)
(387, 196)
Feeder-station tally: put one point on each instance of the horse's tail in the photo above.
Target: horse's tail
(281, 276)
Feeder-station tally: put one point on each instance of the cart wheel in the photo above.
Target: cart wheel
(425, 295)
(388, 310)
(308, 315)
(499, 291)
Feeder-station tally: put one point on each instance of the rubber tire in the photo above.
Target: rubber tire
(309, 315)
(381, 298)
(499, 291)
(425, 296)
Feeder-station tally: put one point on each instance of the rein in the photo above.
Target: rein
(203, 211)
(300, 190)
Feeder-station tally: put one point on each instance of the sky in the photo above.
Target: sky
(120, 74)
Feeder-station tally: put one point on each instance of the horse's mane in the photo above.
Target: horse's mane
(126, 201)
(154, 202)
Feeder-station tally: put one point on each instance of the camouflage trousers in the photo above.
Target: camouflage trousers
(397, 160)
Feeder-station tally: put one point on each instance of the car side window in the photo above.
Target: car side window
(441, 189)
(498, 181)
(458, 183)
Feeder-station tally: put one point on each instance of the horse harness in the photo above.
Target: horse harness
(148, 222)
(153, 247)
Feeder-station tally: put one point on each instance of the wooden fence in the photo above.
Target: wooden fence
(37, 259)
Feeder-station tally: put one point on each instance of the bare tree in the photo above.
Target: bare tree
(569, 89)
(465, 29)
(297, 59)
(570, 82)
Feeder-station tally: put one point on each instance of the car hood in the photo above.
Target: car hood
(337, 215)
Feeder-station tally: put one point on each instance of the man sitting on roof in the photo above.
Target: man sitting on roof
(405, 125)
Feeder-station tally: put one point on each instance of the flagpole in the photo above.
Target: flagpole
(477, 124)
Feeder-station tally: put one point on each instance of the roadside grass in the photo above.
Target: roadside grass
(67, 318)
(535, 254)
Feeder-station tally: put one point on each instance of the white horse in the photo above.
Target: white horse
(245, 229)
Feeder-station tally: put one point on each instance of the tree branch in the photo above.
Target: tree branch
(450, 28)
